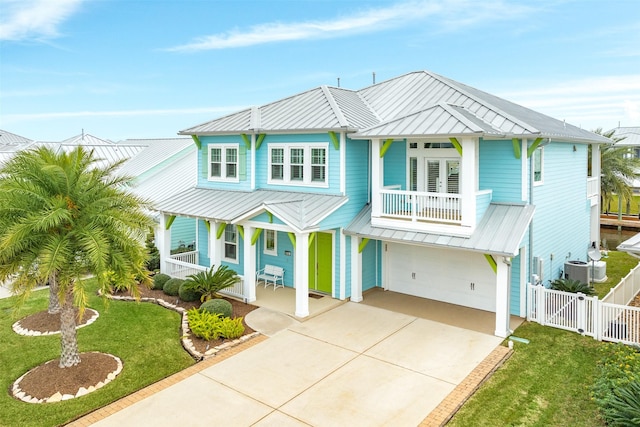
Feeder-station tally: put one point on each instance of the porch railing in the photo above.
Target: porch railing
(592, 187)
(422, 206)
(183, 264)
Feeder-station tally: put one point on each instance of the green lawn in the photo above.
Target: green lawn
(546, 382)
(633, 209)
(145, 336)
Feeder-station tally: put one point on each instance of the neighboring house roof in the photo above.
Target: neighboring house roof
(631, 136)
(301, 211)
(86, 139)
(500, 231)
(403, 106)
(154, 155)
(11, 139)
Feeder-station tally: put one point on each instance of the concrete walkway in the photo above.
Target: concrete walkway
(352, 365)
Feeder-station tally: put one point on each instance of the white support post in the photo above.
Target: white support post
(356, 271)
(249, 265)
(343, 265)
(524, 170)
(502, 300)
(377, 177)
(469, 178)
(215, 248)
(164, 242)
(301, 279)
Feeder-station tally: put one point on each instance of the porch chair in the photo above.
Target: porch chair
(271, 275)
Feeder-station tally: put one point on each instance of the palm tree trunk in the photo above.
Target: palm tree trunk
(69, 355)
(54, 300)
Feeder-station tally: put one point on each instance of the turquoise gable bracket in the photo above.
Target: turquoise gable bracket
(247, 140)
(492, 262)
(292, 237)
(255, 236)
(207, 225)
(334, 139)
(259, 140)
(457, 145)
(221, 228)
(362, 245)
(533, 146)
(516, 147)
(240, 231)
(169, 222)
(197, 141)
(385, 146)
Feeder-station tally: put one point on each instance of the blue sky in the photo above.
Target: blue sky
(150, 68)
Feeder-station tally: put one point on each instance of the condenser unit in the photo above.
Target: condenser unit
(599, 271)
(577, 270)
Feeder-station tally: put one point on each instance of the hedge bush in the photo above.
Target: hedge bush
(218, 306)
(172, 287)
(187, 293)
(159, 280)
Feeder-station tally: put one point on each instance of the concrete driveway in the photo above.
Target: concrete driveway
(354, 365)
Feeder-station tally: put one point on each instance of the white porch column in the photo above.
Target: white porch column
(469, 178)
(377, 176)
(502, 297)
(301, 279)
(214, 244)
(163, 242)
(356, 270)
(249, 265)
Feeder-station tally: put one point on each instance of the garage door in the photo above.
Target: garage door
(447, 275)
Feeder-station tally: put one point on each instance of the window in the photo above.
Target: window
(413, 174)
(223, 163)
(270, 242)
(230, 243)
(298, 164)
(538, 165)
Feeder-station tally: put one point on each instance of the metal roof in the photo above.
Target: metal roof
(106, 154)
(500, 232)
(8, 138)
(631, 136)
(154, 154)
(301, 211)
(86, 139)
(329, 108)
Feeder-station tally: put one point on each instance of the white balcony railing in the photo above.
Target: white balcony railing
(421, 206)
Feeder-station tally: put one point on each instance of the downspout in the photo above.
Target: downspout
(507, 261)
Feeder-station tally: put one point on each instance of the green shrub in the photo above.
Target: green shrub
(172, 287)
(203, 324)
(218, 306)
(153, 262)
(573, 286)
(231, 328)
(618, 369)
(187, 293)
(159, 280)
(625, 406)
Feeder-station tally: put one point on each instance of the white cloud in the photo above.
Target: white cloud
(449, 15)
(589, 102)
(34, 19)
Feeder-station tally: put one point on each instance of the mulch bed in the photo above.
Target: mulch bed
(44, 322)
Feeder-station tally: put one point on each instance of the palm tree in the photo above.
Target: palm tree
(619, 168)
(62, 217)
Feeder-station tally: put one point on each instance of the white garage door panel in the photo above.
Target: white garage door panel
(441, 274)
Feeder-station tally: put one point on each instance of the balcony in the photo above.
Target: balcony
(421, 206)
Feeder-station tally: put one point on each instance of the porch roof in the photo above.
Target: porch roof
(301, 211)
(500, 231)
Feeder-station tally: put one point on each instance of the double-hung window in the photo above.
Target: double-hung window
(223, 162)
(230, 243)
(298, 164)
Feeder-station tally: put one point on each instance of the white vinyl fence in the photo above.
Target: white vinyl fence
(584, 314)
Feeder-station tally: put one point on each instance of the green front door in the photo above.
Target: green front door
(320, 263)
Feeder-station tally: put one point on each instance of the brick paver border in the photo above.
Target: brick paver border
(454, 401)
(141, 394)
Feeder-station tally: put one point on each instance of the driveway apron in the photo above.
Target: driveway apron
(353, 365)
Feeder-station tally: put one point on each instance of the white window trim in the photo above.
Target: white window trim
(307, 181)
(225, 242)
(533, 172)
(273, 251)
(223, 166)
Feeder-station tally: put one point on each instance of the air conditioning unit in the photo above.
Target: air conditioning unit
(577, 270)
(599, 271)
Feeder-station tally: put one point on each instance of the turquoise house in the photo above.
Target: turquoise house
(418, 184)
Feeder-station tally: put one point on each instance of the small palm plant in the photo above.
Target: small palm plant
(573, 286)
(209, 283)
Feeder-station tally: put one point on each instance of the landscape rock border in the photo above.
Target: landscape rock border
(18, 393)
(28, 332)
(187, 344)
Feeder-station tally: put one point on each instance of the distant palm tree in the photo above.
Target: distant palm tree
(619, 167)
(62, 216)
